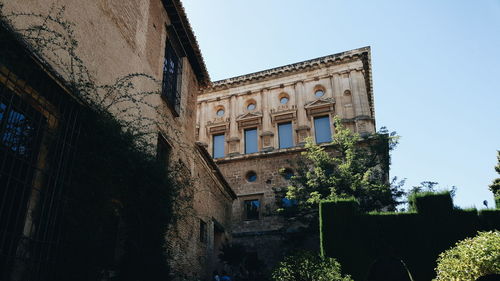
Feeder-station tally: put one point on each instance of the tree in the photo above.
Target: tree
(495, 186)
(353, 166)
(306, 266)
(471, 258)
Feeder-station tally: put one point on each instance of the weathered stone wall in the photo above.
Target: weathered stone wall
(206, 200)
(345, 82)
(344, 79)
(117, 38)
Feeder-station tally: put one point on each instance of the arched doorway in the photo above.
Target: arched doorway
(389, 269)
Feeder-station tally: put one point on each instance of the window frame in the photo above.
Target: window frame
(223, 146)
(316, 129)
(163, 149)
(171, 91)
(246, 217)
(256, 129)
(291, 135)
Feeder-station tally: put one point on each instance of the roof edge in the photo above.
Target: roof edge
(178, 18)
(286, 69)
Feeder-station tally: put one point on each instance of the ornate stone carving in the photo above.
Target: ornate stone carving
(250, 119)
(319, 106)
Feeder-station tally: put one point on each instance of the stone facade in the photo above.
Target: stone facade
(335, 85)
(117, 38)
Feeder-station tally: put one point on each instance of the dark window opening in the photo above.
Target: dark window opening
(251, 176)
(203, 231)
(322, 129)
(287, 173)
(163, 150)
(218, 146)
(252, 209)
(172, 77)
(285, 135)
(251, 141)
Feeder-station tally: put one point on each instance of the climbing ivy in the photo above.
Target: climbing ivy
(122, 198)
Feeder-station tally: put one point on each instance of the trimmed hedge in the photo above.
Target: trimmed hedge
(357, 239)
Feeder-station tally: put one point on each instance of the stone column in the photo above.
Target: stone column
(233, 140)
(267, 132)
(302, 124)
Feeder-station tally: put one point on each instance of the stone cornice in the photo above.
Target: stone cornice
(272, 73)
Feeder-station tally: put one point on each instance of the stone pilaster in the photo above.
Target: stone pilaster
(267, 133)
(233, 141)
(203, 124)
(302, 127)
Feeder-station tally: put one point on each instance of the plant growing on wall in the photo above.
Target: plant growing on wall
(121, 198)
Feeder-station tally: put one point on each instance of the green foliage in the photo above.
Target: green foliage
(495, 186)
(119, 200)
(471, 258)
(430, 201)
(351, 166)
(117, 186)
(306, 266)
(358, 239)
(245, 266)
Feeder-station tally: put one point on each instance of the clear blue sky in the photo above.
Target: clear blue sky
(436, 71)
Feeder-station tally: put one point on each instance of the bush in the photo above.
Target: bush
(307, 266)
(471, 258)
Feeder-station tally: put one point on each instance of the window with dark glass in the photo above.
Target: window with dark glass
(322, 129)
(172, 72)
(203, 231)
(252, 209)
(218, 146)
(251, 176)
(163, 149)
(285, 135)
(251, 141)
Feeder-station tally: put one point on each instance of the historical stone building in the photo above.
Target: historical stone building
(255, 124)
(144, 47)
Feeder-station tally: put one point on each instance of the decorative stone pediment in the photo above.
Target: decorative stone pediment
(283, 115)
(250, 119)
(217, 120)
(218, 129)
(320, 106)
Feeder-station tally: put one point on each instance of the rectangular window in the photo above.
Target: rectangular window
(252, 209)
(163, 149)
(171, 85)
(322, 129)
(203, 231)
(285, 135)
(251, 141)
(218, 146)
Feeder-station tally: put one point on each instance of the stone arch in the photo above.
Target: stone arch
(249, 102)
(283, 95)
(317, 88)
(389, 269)
(219, 108)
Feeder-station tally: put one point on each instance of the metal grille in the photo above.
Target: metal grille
(172, 78)
(38, 132)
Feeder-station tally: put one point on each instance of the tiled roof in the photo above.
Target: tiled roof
(179, 20)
